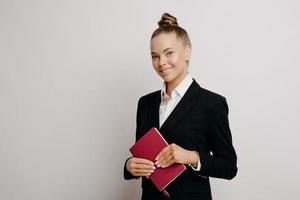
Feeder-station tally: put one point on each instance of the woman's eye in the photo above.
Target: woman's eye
(154, 57)
(170, 53)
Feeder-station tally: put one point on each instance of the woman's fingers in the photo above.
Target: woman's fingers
(167, 154)
(172, 154)
(142, 161)
(164, 158)
(169, 160)
(142, 172)
(140, 166)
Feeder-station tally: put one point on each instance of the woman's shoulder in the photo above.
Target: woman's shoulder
(204, 93)
(211, 95)
(212, 101)
(150, 96)
(210, 98)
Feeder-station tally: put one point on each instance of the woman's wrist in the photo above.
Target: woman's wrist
(194, 158)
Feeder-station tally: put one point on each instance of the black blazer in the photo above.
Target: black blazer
(199, 122)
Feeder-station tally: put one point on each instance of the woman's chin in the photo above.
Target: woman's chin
(167, 78)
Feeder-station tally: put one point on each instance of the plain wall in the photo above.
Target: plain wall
(71, 73)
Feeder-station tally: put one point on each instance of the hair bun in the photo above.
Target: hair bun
(167, 20)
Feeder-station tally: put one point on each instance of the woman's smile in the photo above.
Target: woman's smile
(166, 71)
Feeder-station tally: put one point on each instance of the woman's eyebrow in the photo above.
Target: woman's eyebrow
(163, 50)
(166, 49)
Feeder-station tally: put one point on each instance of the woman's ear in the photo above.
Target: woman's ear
(188, 52)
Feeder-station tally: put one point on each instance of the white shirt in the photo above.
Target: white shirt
(168, 104)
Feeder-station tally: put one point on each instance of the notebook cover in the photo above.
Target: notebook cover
(148, 147)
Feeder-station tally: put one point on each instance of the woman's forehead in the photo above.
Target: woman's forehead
(164, 41)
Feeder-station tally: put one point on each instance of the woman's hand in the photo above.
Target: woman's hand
(175, 154)
(140, 167)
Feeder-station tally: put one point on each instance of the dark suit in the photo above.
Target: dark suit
(199, 122)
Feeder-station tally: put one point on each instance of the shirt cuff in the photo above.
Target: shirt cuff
(198, 164)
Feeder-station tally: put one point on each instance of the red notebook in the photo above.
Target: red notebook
(148, 147)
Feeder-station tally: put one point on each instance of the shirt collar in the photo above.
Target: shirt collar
(180, 90)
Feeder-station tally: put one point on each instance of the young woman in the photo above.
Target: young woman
(193, 120)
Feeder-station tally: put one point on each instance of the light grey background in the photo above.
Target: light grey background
(71, 73)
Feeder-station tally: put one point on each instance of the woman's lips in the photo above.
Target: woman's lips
(166, 70)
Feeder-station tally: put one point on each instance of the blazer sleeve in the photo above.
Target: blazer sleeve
(222, 161)
(127, 174)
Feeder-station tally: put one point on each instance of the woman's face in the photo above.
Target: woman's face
(169, 57)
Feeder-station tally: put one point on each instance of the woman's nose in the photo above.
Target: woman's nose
(162, 61)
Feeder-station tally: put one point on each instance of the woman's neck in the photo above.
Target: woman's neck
(170, 86)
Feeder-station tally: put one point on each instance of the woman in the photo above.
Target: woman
(193, 120)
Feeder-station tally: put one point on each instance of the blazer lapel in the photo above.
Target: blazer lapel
(184, 105)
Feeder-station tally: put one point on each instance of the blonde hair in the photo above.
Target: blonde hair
(168, 24)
